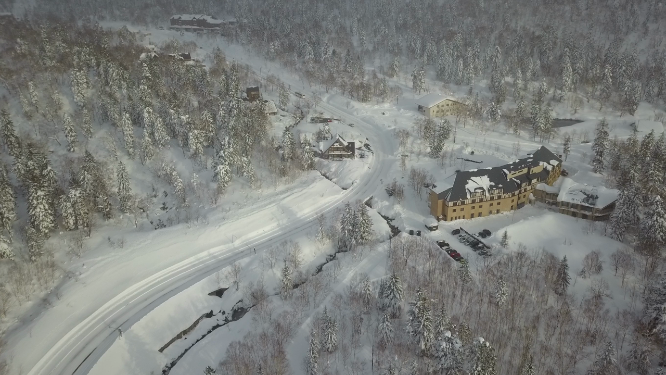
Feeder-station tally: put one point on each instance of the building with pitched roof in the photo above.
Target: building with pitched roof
(438, 105)
(337, 148)
(489, 191)
(578, 200)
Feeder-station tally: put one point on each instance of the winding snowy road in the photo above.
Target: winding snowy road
(71, 336)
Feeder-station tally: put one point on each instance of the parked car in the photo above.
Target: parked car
(418, 233)
(442, 243)
(299, 95)
(455, 231)
(411, 232)
(482, 235)
(352, 125)
(487, 232)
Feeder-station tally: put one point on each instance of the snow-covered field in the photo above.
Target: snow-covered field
(257, 219)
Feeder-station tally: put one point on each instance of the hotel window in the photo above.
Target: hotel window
(454, 210)
(462, 209)
(480, 215)
(512, 201)
(480, 206)
(471, 216)
(497, 211)
(491, 204)
(472, 207)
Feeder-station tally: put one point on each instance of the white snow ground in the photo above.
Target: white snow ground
(156, 285)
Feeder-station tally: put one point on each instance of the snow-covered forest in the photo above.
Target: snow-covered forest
(102, 131)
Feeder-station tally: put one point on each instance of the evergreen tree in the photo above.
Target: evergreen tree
(5, 250)
(605, 363)
(600, 146)
(70, 133)
(486, 360)
(347, 240)
(364, 225)
(124, 188)
(12, 141)
(464, 274)
(449, 354)
(34, 99)
(128, 133)
(653, 228)
(7, 206)
(567, 73)
(313, 355)
(625, 214)
(330, 326)
(288, 144)
(546, 123)
(394, 68)
(148, 149)
(501, 292)
(86, 123)
(654, 314)
(366, 294)
(528, 368)
(308, 159)
(419, 325)
(391, 295)
(638, 358)
(442, 322)
(607, 84)
(566, 147)
(222, 172)
(385, 330)
(494, 112)
(504, 242)
(159, 131)
(287, 283)
(562, 279)
(536, 117)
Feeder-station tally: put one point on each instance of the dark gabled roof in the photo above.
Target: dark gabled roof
(467, 182)
(252, 89)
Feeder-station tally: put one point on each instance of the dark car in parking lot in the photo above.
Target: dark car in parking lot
(442, 243)
(455, 231)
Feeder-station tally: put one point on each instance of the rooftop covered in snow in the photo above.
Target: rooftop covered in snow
(432, 99)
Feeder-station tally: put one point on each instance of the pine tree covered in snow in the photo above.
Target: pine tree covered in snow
(418, 80)
(494, 112)
(34, 99)
(286, 281)
(464, 274)
(638, 358)
(124, 188)
(330, 332)
(70, 133)
(128, 133)
(501, 292)
(5, 249)
(12, 141)
(567, 73)
(485, 359)
(504, 242)
(654, 313)
(442, 322)
(566, 147)
(288, 144)
(394, 68)
(562, 279)
(449, 354)
(159, 131)
(625, 214)
(7, 206)
(385, 330)
(528, 368)
(364, 225)
(222, 172)
(147, 147)
(605, 362)
(366, 294)
(419, 325)
(600, 146)
(313, 355)
(390, 296)
(606, 84)
(86, 123)
(653, 228)
(347, 240)
(308, 159)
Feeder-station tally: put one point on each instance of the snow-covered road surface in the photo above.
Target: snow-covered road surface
(69, 337)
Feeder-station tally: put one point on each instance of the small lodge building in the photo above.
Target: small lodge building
(490, 191)
(195, 22)
(437, 105)
(253, 93)
(583, 201)
(337, 148)
(270, 108)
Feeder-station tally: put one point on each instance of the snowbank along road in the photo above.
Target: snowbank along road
(63, 341)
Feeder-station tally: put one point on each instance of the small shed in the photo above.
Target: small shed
(253, 93)
(270, 108)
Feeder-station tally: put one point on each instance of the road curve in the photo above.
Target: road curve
(76, 346)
